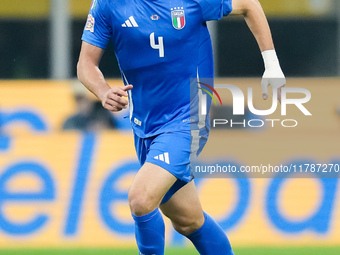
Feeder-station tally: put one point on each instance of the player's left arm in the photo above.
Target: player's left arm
(258, 24)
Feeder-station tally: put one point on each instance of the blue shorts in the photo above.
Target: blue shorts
(171, 151)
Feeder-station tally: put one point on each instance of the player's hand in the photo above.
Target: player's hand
(113, 99)
(276, 79)
(273, 75)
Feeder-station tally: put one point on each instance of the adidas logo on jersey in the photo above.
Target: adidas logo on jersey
(163, 157)
(131, 22)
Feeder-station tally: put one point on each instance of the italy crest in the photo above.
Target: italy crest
(178, 17)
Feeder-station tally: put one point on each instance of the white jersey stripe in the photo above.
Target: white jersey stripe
(201, 96)
(195, 134)
(130, 96)
(130, 104)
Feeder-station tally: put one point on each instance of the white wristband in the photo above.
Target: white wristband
(273, 74)
(270, 59)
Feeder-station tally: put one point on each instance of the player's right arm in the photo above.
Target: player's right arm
(258, 24)
(93, 79)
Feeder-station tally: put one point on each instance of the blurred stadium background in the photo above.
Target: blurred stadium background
(65, 191)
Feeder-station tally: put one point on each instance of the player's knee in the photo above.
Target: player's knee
(140, 204)
(187, 226)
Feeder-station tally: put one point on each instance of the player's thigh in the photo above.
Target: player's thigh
(184, 209)
(149, 187)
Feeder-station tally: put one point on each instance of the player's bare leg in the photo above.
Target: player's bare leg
(186, 214)
(145, 195)
(148, 188)
(184, 210)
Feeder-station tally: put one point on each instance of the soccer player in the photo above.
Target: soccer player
(160, 46)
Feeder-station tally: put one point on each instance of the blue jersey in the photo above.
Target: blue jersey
(160, 45)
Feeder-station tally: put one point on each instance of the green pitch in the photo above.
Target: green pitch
(178, 251)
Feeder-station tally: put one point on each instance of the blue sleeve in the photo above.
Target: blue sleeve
(215, 9)
(97, 30)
